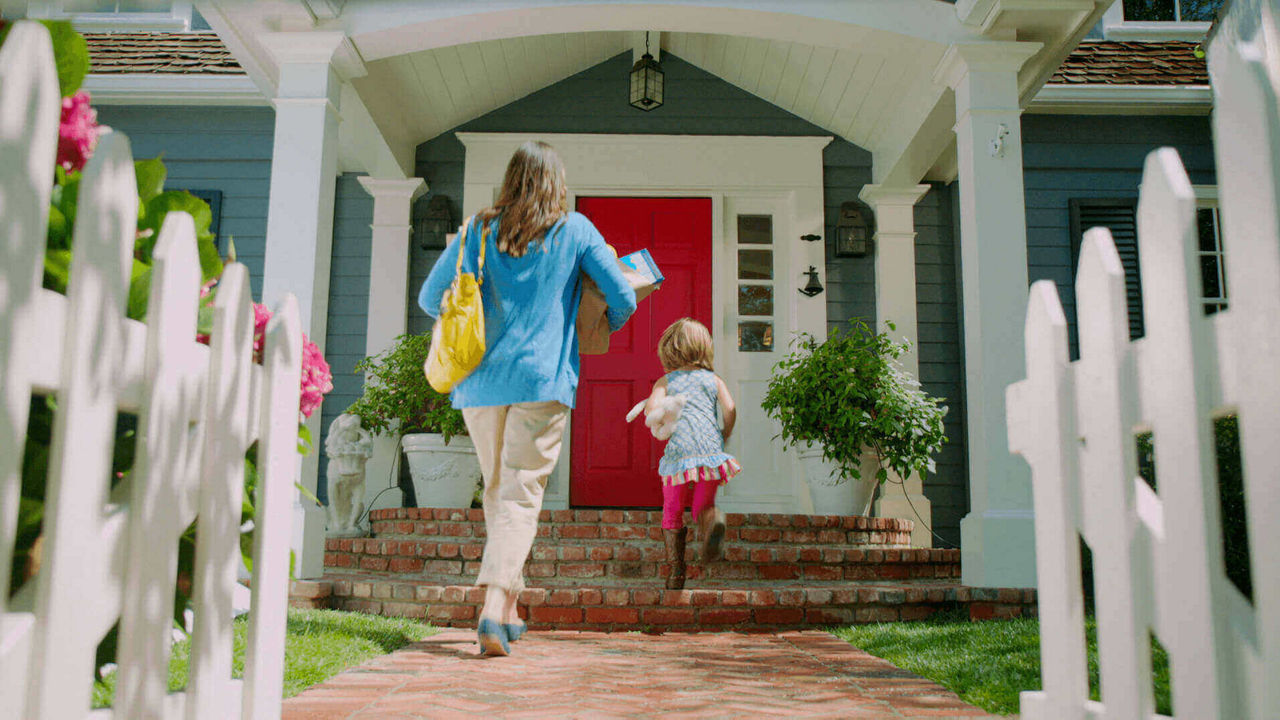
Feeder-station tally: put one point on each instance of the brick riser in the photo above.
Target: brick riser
(456, 562)
(690, 610)
(646, 525)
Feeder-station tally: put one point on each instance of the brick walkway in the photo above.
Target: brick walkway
(629, 675)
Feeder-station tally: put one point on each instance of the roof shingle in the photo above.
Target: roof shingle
(159, 52)
(1102, 62)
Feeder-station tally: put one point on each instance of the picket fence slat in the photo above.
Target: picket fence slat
(29, 115)
(198, 407)
(1158, 553)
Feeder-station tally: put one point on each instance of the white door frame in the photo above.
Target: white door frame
(781, 174)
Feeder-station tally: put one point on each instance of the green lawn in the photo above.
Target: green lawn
(986, 663)
(318, 644)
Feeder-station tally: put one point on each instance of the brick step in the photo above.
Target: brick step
(631, 560)
(457, 525)
(652, 609)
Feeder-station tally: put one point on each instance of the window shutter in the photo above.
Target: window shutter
(1120, 216)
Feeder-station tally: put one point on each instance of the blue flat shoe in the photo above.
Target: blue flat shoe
(514, 630)
(493, 638)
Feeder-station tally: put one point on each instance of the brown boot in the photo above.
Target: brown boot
(711, 532)
(675, 540)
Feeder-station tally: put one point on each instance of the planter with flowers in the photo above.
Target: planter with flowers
(854, 415)
(397, 398)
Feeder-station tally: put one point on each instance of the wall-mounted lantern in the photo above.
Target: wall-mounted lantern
(854, 230)
(814, 285)
(436, 223)
(646, 81)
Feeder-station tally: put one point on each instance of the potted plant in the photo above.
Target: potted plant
(397, 398)
(855, 413)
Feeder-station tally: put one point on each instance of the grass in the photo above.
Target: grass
(986, 663)
(318, 644)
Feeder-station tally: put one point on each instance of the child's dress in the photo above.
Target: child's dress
(696, 448)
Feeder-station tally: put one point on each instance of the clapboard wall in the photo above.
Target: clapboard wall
(1068, 157)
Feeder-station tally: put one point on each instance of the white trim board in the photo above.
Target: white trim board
(1123, 100)
(173, 89)
(780, 176)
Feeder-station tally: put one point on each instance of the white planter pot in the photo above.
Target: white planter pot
(832, 496)
(444, 476)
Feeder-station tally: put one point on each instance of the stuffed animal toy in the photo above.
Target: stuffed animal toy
(662, 419)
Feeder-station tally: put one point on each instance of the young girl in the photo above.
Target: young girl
(694, 464)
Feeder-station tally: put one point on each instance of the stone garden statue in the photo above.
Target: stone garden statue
(348, 447)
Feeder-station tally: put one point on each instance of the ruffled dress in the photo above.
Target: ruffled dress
(695, 451)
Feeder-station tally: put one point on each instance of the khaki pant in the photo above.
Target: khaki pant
(518, 446)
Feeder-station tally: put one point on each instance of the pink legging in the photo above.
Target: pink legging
(702, 493)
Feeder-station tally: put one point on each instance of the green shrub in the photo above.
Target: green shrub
(396, 391)
(848, 395)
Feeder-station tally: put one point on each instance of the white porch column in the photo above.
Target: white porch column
(388, 307)
(997, 536)
(895, 249)
(304, 168)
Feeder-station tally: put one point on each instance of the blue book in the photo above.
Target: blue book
(641, 263)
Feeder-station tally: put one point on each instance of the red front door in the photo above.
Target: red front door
(615, 464)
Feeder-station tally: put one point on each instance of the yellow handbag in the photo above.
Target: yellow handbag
(457, 340)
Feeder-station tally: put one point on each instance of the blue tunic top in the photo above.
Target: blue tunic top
(530, 310)
(696, 442)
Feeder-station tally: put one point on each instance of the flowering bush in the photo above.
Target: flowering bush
(78, 132)
(317, 378)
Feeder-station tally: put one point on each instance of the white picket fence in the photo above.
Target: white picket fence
(111, 557)
(1157, 556)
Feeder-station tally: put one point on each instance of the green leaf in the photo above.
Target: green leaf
(71, 53)
(163, 204)
(57, 270)
(210, 263)
(204, 320)
(139, 290)
(59, 235)
(305, 442)
(304, 492)
(151, 175)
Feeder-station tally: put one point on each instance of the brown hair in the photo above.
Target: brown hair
(533, 198)
(686, 343)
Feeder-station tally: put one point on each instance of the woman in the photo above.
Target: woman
(517, 401)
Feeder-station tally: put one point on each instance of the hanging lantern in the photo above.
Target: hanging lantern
(646, 81)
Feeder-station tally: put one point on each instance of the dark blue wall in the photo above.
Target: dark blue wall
(1086, 156)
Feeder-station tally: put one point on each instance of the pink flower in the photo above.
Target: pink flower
(317, 379)
(78, 132)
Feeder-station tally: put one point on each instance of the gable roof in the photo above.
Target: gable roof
(1101, 62)
(163, 53)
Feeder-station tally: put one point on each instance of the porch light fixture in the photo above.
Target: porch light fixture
(437, 222)
(814, 286)
(646, 81)
(853, 230)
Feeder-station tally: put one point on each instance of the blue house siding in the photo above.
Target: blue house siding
(348, 302)
(211, 148)
(1066, 157)
(941, 356)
